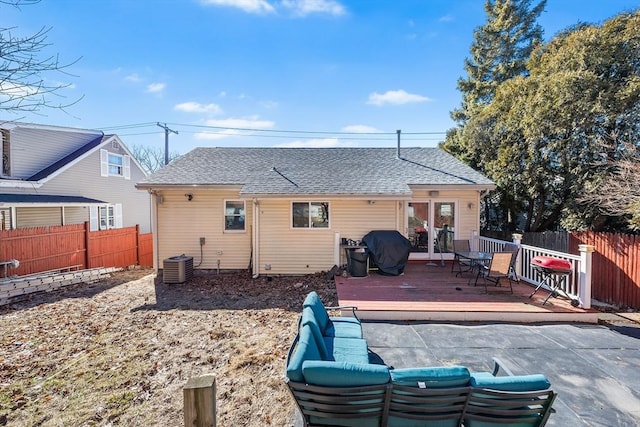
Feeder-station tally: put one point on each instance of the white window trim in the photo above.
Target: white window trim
(104, 164)
(224, 216)
(309, 227)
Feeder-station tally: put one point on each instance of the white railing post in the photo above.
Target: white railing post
(474, 241)
(517, 240)
(584, 291)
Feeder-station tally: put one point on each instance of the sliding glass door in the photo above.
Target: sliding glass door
(431, 228)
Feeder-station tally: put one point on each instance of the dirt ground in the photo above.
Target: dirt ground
(119, 352)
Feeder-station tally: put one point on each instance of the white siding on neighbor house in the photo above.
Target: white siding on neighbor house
(35, 149)
(181, 223)
(38, 217)
(84, 179)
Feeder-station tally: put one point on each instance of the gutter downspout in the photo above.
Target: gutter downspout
(255, 239)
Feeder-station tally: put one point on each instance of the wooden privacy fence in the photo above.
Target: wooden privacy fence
(40, 249)
(616, 266)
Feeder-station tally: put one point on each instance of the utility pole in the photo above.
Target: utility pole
(166, 141)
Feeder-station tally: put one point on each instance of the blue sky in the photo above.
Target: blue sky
(293, 72)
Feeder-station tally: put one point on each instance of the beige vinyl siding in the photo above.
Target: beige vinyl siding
(76, 214)
(38, 217)
(300, 251)
(181, 223)
(35, 149)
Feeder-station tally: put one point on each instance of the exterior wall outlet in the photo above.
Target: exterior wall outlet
(202, 241)
(267, 266)
(219, 252)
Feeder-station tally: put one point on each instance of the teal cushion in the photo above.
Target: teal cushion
(338, 328)
(307, 349)
(432, 377)
(308, 318)
(510, 383)
(313, 301)
(344, 374)
(352, 350)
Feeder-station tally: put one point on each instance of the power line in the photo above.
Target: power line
(166, 141)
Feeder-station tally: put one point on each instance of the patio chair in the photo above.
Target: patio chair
(497, 270)
(514, 249)
(461, 246)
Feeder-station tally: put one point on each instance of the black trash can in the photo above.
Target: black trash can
(358, 262)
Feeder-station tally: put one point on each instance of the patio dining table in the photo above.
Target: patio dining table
(477, 259)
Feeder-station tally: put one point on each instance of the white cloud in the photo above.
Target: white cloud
(307, 7)
(360, 129)
(135, 78)
(195, 107)
(395, 97)
(225, 128)
(156, 87)
(249, 6)
(311, 143)
(446, 18)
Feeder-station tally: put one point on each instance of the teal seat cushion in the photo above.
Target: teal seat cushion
(510, 383)
(343, 329)
(432, 377)
(307, 349)
(313, 301)
(344, 374)
(352, 350)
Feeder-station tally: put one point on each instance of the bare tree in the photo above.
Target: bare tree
(617, 194)
(151, 159)
(26, 70)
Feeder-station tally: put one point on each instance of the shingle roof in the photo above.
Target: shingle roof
(69, 158)
(339, 171)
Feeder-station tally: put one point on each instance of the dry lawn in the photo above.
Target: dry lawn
(119, 352)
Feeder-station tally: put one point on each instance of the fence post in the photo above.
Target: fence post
(137, 244)
(87, 256)
(517, 240)
(586, 263)
(200, 402)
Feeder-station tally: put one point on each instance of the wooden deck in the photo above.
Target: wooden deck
(427, 292)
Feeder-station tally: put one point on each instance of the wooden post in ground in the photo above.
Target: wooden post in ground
(200, 402)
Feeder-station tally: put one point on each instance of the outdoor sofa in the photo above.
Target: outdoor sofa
(334, 383)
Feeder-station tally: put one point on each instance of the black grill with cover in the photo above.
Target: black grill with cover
(388, 250)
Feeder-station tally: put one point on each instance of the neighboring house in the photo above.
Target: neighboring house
(58, 176)
(286, 210)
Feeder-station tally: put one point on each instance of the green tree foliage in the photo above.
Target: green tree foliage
(548, 138)
(500, 51)
(553, 137)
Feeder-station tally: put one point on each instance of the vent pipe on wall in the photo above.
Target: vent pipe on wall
(398, 149)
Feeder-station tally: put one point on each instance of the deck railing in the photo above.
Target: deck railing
(576, 285)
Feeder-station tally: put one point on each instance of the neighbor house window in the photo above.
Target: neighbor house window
(234, 215)
(310, 214)
(105, 217)
(115, 165)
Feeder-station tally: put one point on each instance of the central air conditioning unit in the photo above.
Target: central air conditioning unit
(177, 269)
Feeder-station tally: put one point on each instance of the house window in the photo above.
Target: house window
(310, 214)
(115, 165)
(112, 164)
(107, 217)
(234, 215)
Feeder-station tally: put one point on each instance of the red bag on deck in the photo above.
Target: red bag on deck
(550, 263)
